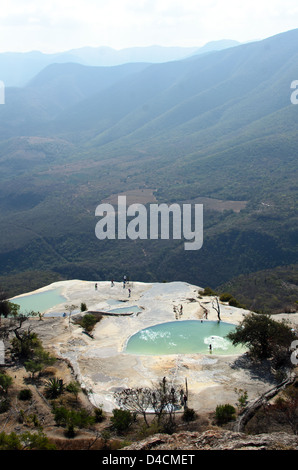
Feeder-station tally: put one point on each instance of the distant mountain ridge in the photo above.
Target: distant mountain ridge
(17, 68)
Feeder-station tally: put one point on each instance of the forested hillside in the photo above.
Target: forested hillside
(217, 128)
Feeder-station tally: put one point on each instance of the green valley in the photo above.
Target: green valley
(216, 128)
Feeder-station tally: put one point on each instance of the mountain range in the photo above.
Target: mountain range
(17, 68)
(216, 128)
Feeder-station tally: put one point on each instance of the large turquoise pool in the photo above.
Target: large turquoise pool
(184, 337)
(39, 302)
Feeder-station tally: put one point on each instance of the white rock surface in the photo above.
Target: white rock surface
(102, 364)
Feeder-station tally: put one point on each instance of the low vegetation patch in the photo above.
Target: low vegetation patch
(225, 413)
(88, 321)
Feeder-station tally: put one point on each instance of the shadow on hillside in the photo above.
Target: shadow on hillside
(258, 370)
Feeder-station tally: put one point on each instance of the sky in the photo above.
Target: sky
(60, 25)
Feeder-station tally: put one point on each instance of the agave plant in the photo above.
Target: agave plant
(54, 387)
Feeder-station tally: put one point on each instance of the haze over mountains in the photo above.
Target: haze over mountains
(217, 128)
(17, 68)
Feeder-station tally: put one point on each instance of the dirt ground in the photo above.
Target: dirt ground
(29, 416)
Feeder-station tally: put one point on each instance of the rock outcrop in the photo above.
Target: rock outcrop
(217, 440)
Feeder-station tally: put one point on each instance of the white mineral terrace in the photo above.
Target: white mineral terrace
(102, 365)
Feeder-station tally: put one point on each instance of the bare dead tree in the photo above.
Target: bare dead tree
(216, 307)
(98, 435)
(165, 401)
(138, 400)
(205, 310)
(70, 309)
(252, 408)
(163, 398)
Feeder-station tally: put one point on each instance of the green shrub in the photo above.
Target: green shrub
(121, 419)
(83, 307)
(242, 397)
(89, 321)
(71, 419)
(225, 297)
(189, 415)
(25, 345)
(70, 430)
(10, 441)
(74, 388)
(146, 431)
(98, 415)
(27, 440)
(208, 291)
(4, 405)
(60, 415)
(225, 413)
(5, 383)
(33, 366)
(234, 303)
(25, 394)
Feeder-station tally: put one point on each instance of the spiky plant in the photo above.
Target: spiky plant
(54, 387)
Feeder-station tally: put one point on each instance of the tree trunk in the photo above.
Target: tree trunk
(251, 410)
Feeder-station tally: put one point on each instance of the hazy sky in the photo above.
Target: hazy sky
(57, 25)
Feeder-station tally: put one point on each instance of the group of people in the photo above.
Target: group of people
(125, 282)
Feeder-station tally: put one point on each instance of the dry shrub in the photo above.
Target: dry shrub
(91, 443)
(49, 371)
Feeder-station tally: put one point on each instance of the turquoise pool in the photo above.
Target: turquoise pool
(184, 337)
(39, 302)
(132, 309)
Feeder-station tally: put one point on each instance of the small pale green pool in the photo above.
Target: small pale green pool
(184, 337)
(39, 302)
(132, 309)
